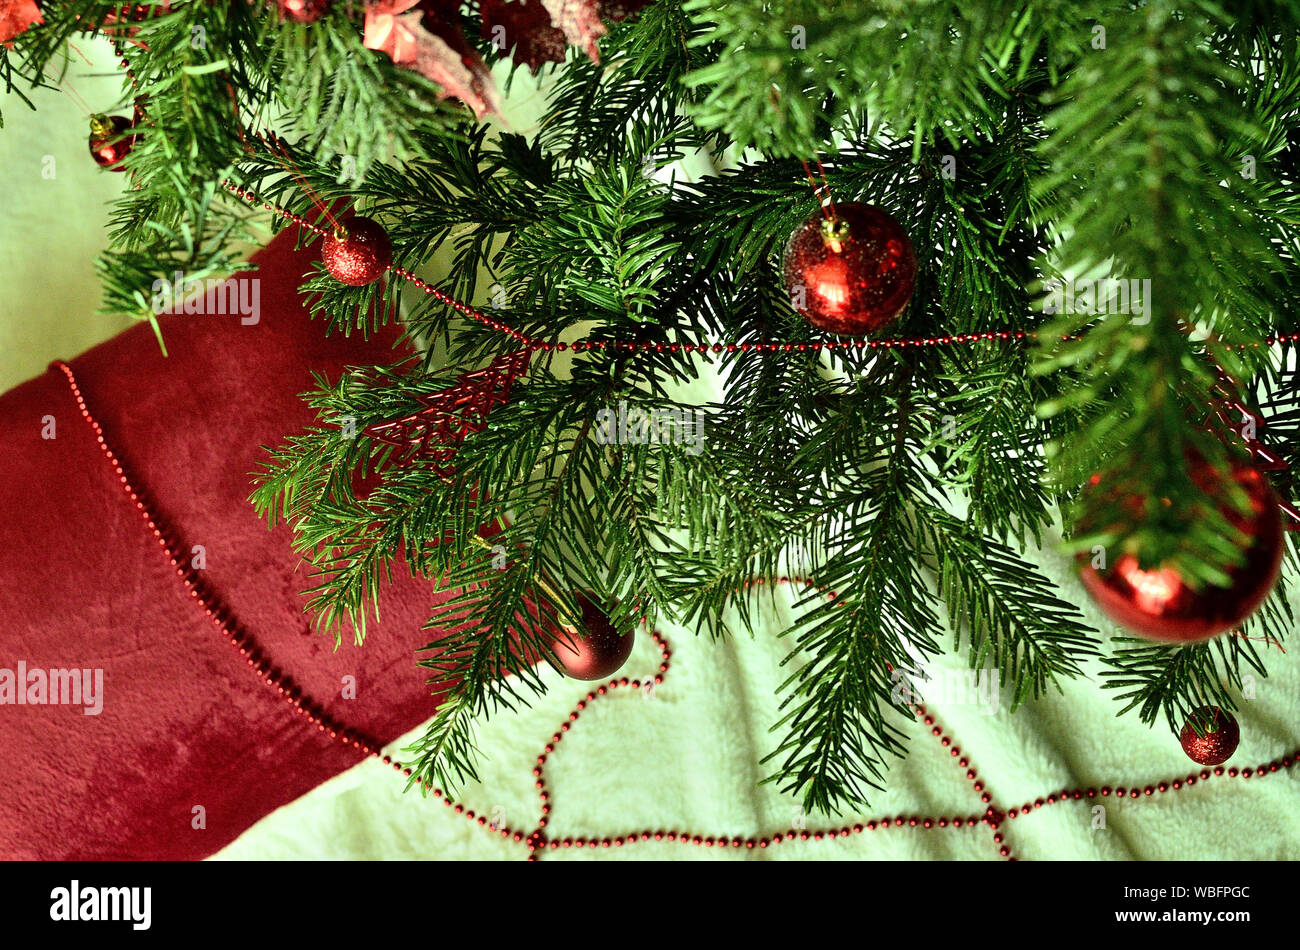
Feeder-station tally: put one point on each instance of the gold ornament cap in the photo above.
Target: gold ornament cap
(836, 234)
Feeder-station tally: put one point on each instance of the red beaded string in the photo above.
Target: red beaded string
(221, 617)
(644, 346)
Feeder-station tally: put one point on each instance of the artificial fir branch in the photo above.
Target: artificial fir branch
(1142, 378)
(838, 723)
(1157, 680)
(1008, 610)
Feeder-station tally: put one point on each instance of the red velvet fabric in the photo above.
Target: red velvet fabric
(83, 584)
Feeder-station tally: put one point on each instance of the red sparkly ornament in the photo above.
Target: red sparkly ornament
(302, 11)
(1220, 740)
(851, 273)
(597, 652)
(108, 142)
(358, 252)
(1160, 604)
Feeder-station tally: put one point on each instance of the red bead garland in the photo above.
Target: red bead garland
(302, 11)
(641, 346)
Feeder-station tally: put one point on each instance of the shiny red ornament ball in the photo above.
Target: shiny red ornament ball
(597, 652)
(850, 271)
(358, 252)
(1220, 740)
(1161, 605)
(302, 11)
(108, 142)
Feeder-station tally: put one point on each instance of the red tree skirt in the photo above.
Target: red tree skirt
(189, 749)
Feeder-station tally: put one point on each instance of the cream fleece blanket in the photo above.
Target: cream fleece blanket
(685, 757)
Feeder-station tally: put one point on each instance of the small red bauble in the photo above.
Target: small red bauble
(1159, 603)
(358, 252)
(851, 274)
(1220, 740)
(600, 652)
(108, 142)
(302, 11)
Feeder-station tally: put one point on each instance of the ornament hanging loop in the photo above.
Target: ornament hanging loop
(822, 190)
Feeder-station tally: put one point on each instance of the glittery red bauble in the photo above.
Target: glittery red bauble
(358, 253)
(596, 653)
(302, 11)
(1161, 605)
(853, 275)
(1219, 741)
(108, 145)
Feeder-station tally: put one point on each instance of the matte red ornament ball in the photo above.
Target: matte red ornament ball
(108, 142)
(599, 651)
(1220, 739)
(358, 252)
(302, 11)
(851, 273)
(1160, 604)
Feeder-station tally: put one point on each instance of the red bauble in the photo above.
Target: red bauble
(302, 11)
(358, 252)
(108, 142)
(1161, 605)
(598, 651)
(1218, 743)
(853, 275)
